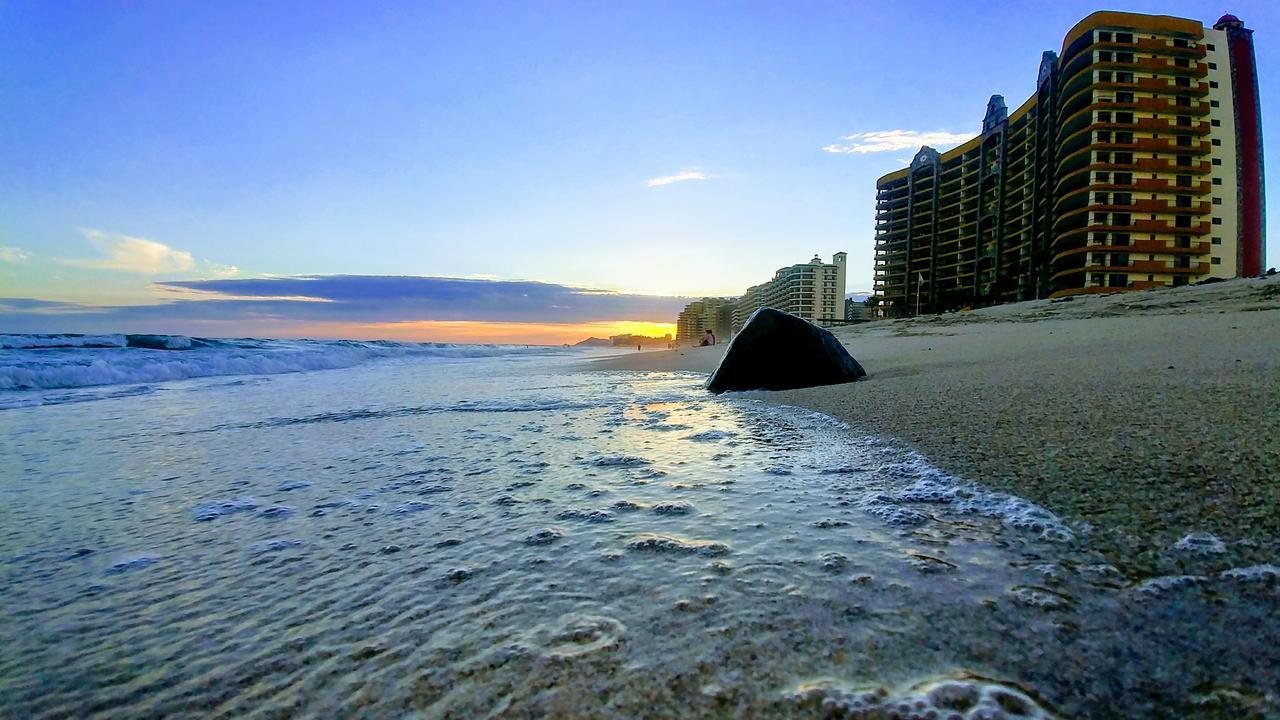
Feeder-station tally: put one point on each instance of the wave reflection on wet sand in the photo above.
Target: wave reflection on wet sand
(543, 543)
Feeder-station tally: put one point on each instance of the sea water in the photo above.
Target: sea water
(392, 530)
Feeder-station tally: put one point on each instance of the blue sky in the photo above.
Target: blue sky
(166, 141)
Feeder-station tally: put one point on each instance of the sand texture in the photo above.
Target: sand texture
(1147, 415)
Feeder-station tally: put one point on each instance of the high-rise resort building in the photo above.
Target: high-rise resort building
(712, 313)
(1136, 164)
(812, 290)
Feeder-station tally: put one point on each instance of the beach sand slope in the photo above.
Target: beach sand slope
(1147, 414)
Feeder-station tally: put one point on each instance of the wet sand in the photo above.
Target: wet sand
(1147, 415)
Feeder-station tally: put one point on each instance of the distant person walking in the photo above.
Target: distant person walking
(708, 338)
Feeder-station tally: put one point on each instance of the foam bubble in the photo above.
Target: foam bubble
(545, 536)
(709, 436)
(623, 461)
(591, 516)
(412, 506)
(1264, 574)
(652, 542)
(960, 698)
(1168, 584)
(1200, 543)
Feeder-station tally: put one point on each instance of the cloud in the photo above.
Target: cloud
(132, 254)
(893, 140)
(681, 176)
(277, 304)
(13, 255)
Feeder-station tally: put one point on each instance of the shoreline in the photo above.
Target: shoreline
(1148, 415)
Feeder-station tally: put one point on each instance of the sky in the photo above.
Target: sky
(484, 171)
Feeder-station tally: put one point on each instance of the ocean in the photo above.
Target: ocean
(259, 528)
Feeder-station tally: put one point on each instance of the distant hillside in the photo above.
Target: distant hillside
(594, 342)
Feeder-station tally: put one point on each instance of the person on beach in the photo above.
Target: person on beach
(708, 338)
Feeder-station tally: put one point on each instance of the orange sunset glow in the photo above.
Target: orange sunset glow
(485, 332)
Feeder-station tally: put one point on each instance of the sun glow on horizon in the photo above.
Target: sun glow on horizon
(467, 331)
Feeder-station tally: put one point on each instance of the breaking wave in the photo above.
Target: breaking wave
(45, 362)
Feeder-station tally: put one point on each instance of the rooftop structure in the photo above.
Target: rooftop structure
(812, 290)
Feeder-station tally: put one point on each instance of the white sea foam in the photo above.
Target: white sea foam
(20, 342)
(43, 362)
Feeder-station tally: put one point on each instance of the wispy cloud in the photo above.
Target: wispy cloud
(281, 305)
(132, 254)
(125, 253)
(13, 255)
(894, 140)
(681, 176)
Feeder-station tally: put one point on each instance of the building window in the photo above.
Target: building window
(1099, 280)
(1119, 281)
(1213, 83)
(1213, 66)
(1217, 201)
(1184, 241)
(1217, 241)
(1183, 181)
(1104, 76)
(1124, 97)
(1102, 177)
(1182, 221)
(1216, 142)
(1215, 123)
(1122, 199)
(1124, 37)
(1217, 161)
(1104, 56)
(1180, 280)
(1214, 103)
(1104, 37)
(1124, 118)
(1182, 101)
(1104, 116)
(1124, 57)
(1217, 181)
(1124, 77)
(1216, 261)
(1210, 46)
(1183, 201)
(1124, 178)
(1217, 221)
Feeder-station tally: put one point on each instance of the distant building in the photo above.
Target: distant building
(857, 311)
(711, 313)
(1137, 163)
(813, 291)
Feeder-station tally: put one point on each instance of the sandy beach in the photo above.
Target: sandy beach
(1148, 415)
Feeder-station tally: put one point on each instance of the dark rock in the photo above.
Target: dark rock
(779, 351)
